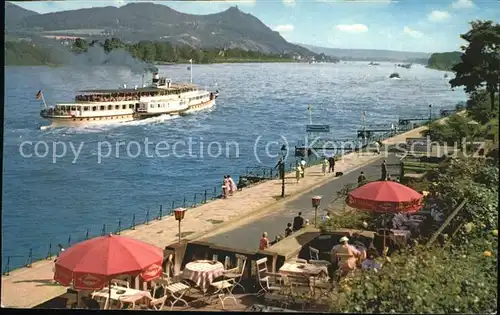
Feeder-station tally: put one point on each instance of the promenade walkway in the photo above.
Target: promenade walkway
(28, 287)
(246, 235)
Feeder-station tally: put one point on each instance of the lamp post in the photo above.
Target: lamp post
(282, 169)
(179, 215)
(316, 201)
(430, 113)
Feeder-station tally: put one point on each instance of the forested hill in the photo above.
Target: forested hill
(157, 22)
(444, 61)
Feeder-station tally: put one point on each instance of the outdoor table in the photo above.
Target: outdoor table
(122, 295)
(203, 272)
(312, 270)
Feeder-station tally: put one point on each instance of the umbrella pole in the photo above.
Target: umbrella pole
(109, 297)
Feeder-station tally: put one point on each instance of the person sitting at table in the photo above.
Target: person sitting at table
(298, 222)
(264, 241)
(346, 256)
(370, 263)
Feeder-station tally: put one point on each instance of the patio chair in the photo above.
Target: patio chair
(215, 257)
(236, 274)
(159, 303)
(223, 290)
(176, 290)
(314, 257)
(120, 283)
(267, 280)
(227, 262)
(301, 289)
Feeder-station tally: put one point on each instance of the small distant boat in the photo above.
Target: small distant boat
(374, 64)
(394, 75)
(445, 75)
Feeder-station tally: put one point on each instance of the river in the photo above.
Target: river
(50, 194)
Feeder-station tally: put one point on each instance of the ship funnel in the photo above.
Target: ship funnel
(156, 77)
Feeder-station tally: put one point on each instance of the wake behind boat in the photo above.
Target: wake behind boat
(162, 97)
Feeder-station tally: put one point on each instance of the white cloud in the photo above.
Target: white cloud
(352, 28)
(289, 3)
(412, 33)
(284, 28)
(438, 16)
(462, 4)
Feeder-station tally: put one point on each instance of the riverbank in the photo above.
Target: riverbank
(29, 287)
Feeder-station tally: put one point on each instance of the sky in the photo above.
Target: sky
(404, 25)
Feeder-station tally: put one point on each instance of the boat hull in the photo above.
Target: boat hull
(85, 121)
(198, 107)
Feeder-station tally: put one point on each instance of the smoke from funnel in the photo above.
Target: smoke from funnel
(96, 56)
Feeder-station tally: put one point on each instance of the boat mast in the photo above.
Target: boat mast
(309, 108)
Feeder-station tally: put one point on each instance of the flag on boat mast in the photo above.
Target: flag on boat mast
(39, 95)
(191, 71)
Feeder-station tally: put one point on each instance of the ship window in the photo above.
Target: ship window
(101, 107)
(117, 106)
(85, 108)
(94, 108)
(130, 105)
(124, 106)
(110, 107)
(151, 106)
(73, 107)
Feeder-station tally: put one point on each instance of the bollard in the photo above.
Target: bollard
(133, 222)
(194, 201)
(147, 217)
(103, 229)
(205, 197)
(215, 192)
(87, 234)
(184, 202)
(161, 212)
(29, 261)
(49, 254)
(7, 266)
(119, 229)
(69, 240)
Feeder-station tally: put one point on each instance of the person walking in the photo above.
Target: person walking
(377, 147)
(298, 170)
(303, 164)
(325, 165)
(331, 160)
(281, 167)
(384, 170)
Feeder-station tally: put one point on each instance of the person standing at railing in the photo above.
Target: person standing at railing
(232, 185)
(384, 170)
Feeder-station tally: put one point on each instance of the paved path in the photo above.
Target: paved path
(28, 287)
(247, 235)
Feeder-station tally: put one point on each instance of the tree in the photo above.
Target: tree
(480, 62)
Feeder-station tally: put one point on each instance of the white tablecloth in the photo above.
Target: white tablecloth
(203, 272)
(303, 269)
(129, 296)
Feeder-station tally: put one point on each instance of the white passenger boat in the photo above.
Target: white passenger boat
(162, 97)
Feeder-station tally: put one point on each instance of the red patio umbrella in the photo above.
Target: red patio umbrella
(92, 264)
(385, 197)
